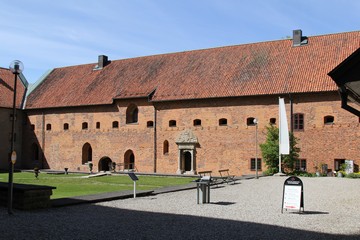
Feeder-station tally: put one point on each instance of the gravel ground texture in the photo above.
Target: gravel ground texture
(250, 209)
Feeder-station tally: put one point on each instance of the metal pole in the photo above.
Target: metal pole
(11, 164)
(134, 189)
(256, 160)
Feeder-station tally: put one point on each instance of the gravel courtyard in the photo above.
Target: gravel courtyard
(250, 209)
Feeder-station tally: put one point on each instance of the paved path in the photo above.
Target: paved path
(248, 210)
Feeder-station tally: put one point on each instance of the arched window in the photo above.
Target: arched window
(129, 160)
(328, 120)
(115, 124)
(35, 152)
(272, 121)
(250, 121)
(172, 123)
(132, 114)
(150, 124)
(166, 147)
(197, 122)
(84, 125)
(48, 126)
(66, 126)
(222, 122)
(86, 153)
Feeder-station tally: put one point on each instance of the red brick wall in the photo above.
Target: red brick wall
(230, 146)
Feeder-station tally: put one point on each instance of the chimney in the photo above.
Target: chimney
(102, 61)
(299, 39)
(297, 36)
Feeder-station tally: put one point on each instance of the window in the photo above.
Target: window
(300, 165)
(132, 114)
(150, 124)
(252, 164)
(66, 126)
(84, 125)
(197, 122)
(166, 147)
(222, 122)
(272, 121)
(48, 126)
(328, 120)
(115, 124)
(172, 123)
(250, 121)
(298, 121)
(97, 125)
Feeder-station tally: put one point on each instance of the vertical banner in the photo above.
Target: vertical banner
(284, 146)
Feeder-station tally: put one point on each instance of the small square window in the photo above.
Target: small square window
(172, 123)
(115, 124)
(150, 124)
(197, 122)
(222, 122)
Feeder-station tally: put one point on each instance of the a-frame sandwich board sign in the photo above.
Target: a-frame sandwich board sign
(293, 194)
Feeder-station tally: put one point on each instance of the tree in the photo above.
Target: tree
(270, 151)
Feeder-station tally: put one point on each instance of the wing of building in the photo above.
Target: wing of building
(6, 111)
(192, 111)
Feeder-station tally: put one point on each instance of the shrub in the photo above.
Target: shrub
(353, 175)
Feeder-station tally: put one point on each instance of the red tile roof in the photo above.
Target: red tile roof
(264, 68)
(7, 89)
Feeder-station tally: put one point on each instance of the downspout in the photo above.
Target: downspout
(43, 140)
(155, 138)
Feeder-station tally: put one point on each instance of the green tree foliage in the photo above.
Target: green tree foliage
(270, 151)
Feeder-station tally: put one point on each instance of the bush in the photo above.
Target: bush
(270, 171)
(302, 174)
(353, 175)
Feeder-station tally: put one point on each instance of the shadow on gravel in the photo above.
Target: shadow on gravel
(310, 213)
(223, 203)
(99, 222)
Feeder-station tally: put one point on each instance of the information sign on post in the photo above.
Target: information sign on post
(134, 178)
(293, 194)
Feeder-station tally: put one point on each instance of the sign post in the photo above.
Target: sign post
(293, 194)
(134, 178)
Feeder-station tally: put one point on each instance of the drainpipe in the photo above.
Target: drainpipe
(43, 140)
(155, 138)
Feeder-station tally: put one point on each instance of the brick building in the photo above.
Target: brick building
(191, 111)
(6, 111)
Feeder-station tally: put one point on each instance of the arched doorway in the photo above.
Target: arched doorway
(35, 152)
(129, 160)
(104, 164)
(187, 161)
(86, 153)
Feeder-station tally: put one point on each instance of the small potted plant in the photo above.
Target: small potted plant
(90, 164)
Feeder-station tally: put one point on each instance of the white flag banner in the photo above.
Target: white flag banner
(284, 146)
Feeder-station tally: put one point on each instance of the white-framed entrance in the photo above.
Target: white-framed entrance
(186, 142)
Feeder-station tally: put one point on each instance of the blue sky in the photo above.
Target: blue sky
(47, 34)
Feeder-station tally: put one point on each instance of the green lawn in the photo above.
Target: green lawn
(76, 185)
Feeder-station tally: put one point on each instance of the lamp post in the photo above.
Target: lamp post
(255, 121)
(16, 67)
